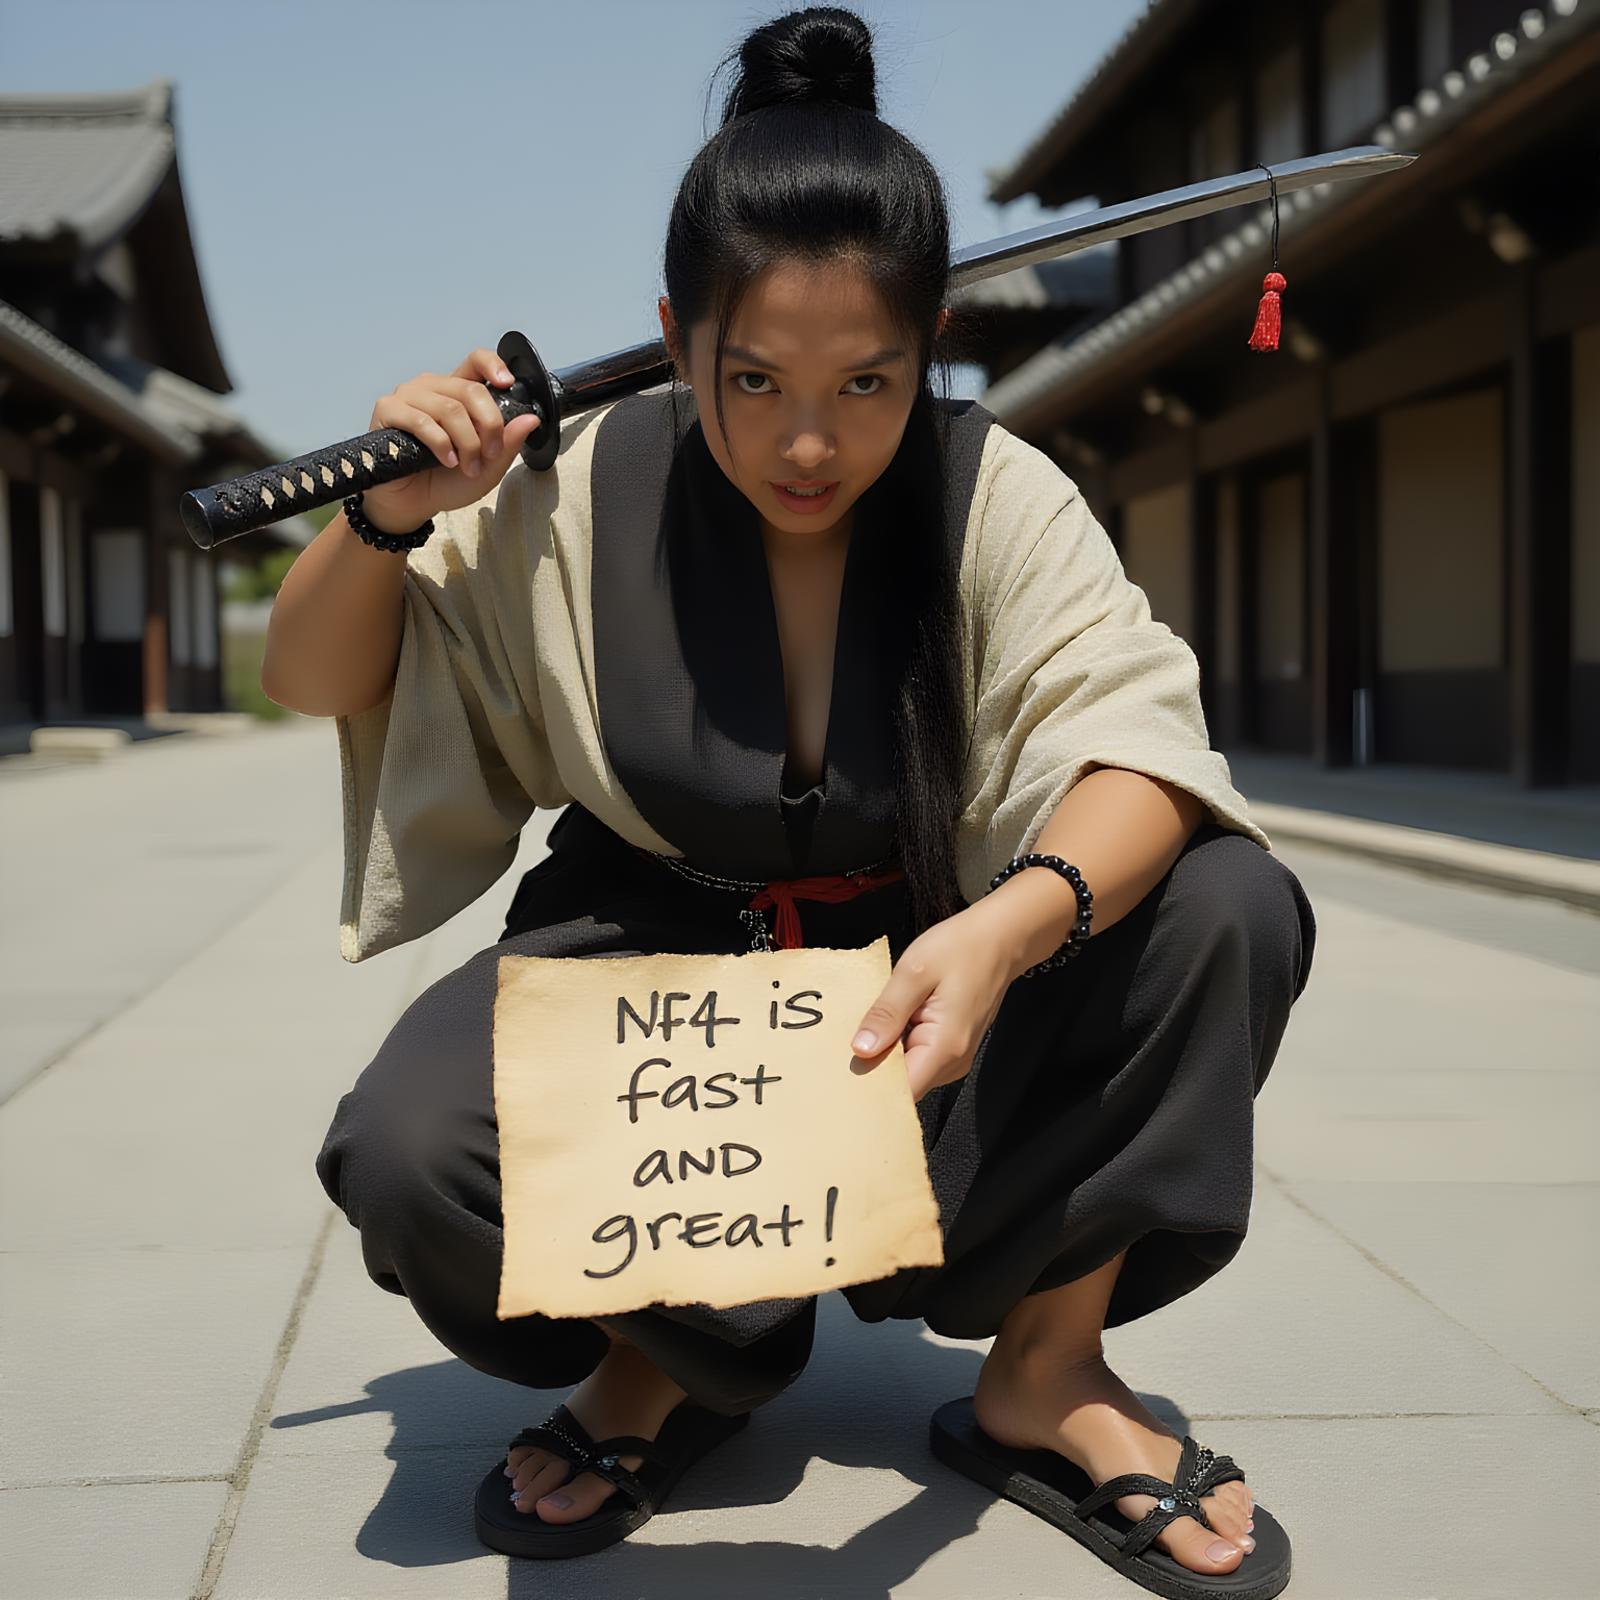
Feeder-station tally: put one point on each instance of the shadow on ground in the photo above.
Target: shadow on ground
(862, 1404)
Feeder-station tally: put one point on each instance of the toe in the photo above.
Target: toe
(1186, 1539)
(541, 1473)
(1227, 1515)
(585, 1493)
(1198, 1548)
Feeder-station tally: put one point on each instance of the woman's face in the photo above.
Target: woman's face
(817, 389)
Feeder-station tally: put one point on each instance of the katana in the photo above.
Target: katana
(271, 494)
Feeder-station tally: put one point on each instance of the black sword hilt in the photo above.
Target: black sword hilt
(255, 499)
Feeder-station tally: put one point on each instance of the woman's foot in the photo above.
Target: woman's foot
(626, 1393)
(1084, 1411)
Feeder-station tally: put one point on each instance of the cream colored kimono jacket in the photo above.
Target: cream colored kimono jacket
(547, 659)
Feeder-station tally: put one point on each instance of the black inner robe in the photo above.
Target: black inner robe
(689, 667)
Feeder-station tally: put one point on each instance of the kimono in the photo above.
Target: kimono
(560, 651)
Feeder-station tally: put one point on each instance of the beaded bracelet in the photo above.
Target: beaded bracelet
(1075, 940)
(376, 537)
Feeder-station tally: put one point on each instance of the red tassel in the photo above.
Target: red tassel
(1269, 314)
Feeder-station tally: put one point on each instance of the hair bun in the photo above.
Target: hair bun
(822, 55)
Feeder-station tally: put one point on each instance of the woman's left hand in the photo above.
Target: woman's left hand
(941, 998)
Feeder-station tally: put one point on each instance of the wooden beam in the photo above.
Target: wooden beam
(1266, 423)
(1569, 293)
(1157, 467)
(1468, 338)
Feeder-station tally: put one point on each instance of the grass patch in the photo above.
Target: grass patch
(241, 676)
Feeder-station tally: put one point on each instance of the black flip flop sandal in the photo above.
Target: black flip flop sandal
(687, 1434)
(1049, 1485)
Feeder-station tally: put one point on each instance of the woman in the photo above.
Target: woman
(835, 716)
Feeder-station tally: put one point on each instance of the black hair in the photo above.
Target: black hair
(802, 168)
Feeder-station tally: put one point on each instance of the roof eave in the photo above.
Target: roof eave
(1145, 37)
(1038, 392)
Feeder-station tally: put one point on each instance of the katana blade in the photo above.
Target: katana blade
(271, 494)
(1079, 232)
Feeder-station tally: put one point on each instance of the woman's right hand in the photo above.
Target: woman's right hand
(456, 417)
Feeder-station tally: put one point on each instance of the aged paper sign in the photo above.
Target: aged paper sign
(682, 1128)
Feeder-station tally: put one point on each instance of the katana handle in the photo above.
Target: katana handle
(241, 505)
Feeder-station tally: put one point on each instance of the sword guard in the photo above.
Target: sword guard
(532, 389)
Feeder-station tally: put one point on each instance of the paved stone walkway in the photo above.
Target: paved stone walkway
(204, 1396)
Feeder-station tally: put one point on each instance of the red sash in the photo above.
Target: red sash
(831, 887)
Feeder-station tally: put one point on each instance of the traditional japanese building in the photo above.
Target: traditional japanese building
(110, 408)
(1383, 540)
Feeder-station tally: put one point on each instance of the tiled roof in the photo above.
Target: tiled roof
(1085, 279)
(1139, 41)
(33, 350)
(80, 173)
(83, 165)
(185, 405)
(1239, 255)
(163, 413)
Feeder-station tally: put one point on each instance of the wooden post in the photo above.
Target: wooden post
(1249, 608)
(1331, 592)
(1203, 586)
(155, 596)
(1538, 538)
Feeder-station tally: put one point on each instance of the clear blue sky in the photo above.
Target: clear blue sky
(377, 186)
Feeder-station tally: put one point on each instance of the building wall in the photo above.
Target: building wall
(113, 663)
(61, 548)
(1586, 496)
(1584, 719)
(1441, 692)
(81, 614)
(8, 627)
(22, 643)
(1353, 71)
(1155, 554)
(1227, 647)
(1391, 478)
(1283, 708)
(1221, 680)
(1277, 98)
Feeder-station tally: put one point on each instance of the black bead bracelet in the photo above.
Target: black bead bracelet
(1079, 936)
(363, 529)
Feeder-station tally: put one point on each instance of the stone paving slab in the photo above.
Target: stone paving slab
(192, 1113)
(142, 1363)
(1301, 1322)
(862, 1506)
(821, 1495)
(1413, 1125)
(1379, 1357)
(118, 1541)
(1407, 995)
(367, 1377)
(117, 896)
(1491, 1258)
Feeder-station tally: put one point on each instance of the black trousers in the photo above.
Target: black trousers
(1109, 1107)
